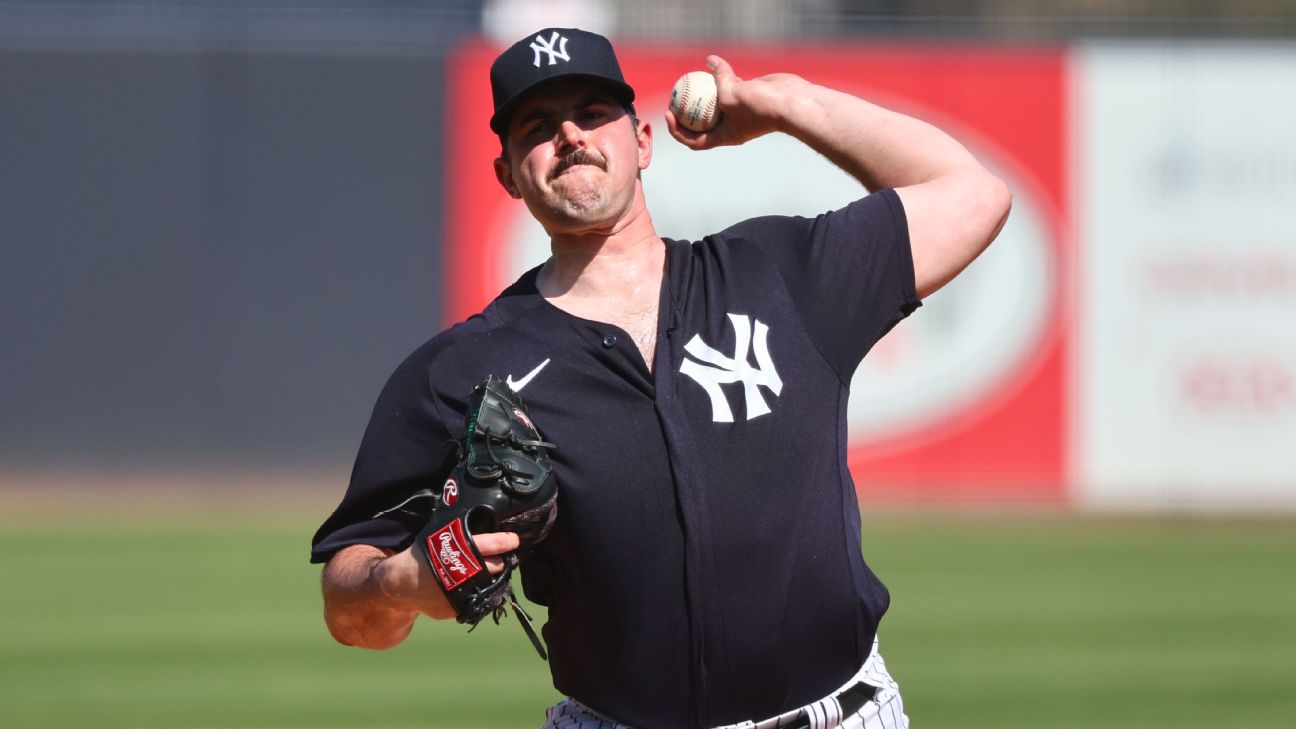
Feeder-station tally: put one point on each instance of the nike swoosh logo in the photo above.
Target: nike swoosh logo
(517, 385)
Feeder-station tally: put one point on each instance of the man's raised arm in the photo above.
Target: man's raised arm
(954, 206)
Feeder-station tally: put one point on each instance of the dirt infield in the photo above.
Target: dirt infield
(292, 492)
(37, 497)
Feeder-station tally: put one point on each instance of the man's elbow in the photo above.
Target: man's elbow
(352, 637)
(997, 204)
(370, 632)
(965, 214)
(990, 204)
(341, 633)
(356, 612)
(983, 203)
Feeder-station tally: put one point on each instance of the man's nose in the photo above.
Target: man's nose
(570, 134)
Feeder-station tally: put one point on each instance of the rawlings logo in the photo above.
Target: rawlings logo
(522, 416)
(450, 554)
(452, 561)
(450, 492)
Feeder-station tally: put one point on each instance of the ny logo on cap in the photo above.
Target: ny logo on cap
(543, 46)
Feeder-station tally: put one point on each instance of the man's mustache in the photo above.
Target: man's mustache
(579, 157)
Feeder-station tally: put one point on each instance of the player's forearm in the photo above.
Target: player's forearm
(357, 610)
(879, 147)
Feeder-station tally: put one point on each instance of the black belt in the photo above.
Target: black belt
(851, 700)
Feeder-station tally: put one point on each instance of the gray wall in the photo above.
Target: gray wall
(212, 251)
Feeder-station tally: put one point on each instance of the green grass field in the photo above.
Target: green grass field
(1042, 621)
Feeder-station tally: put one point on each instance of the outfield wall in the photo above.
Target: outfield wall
(214, 248)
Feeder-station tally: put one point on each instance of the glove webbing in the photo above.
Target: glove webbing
(523, 617)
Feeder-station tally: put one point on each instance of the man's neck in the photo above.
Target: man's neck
(624, 264)
(614, 278)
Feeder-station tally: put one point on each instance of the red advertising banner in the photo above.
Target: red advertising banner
(988, 422)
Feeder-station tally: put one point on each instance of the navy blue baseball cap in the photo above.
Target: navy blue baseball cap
(550, 54)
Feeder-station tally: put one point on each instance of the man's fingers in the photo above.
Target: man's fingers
(725, 77)
(494, 543)
(719, 66)
(687, 137)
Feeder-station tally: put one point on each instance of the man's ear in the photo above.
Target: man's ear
(645, 139)
(504, 173)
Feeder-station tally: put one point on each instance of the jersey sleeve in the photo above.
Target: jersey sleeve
(406, 447)
(849, 272)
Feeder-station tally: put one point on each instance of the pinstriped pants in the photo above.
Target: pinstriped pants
(884, 711)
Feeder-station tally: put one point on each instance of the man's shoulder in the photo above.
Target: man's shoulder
(744, 243)
(465, 342)
(766, 229)
(458, 340)
(446, 342)
(760, 229)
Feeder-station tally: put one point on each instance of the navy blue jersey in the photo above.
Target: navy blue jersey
(705, 567)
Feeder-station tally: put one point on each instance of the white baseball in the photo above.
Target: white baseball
(693, 101)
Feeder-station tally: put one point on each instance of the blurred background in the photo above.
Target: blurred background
(223, 224)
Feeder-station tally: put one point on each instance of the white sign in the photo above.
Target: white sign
(1186, 367)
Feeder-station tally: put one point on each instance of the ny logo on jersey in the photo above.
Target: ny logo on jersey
(727, 370)
(543, 46)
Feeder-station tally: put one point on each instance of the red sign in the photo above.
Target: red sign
(1007, 442)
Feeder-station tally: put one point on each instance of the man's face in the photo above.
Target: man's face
(573, 155)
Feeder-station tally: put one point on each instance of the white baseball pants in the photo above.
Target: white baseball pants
(884, 711)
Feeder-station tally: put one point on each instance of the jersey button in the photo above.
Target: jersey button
(609, 341)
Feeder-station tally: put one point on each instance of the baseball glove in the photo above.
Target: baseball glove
(503, 482)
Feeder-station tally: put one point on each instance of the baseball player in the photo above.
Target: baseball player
(705, 567)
